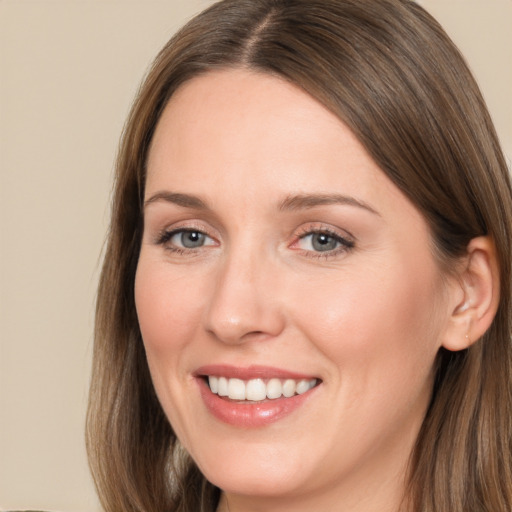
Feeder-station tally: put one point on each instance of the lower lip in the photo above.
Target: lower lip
(250, 414)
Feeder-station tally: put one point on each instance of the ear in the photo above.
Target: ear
(474, 301)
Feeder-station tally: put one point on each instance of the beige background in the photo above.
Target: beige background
(69, 69)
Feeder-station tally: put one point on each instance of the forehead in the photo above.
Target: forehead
(252, 122)
(243, 103)
(252, 136)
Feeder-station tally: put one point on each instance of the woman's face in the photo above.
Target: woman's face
(278, 259)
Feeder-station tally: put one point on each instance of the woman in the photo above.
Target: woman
(305, 300)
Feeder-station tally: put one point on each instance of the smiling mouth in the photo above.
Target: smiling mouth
(258, 390)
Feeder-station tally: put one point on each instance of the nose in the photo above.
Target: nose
(245, 303)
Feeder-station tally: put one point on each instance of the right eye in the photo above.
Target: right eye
(183, 239)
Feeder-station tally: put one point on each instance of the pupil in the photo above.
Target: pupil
(323, 242)
(191, 239)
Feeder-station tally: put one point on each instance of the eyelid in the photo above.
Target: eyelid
(319, 227)
(347, 240)
(176, 233)
(163, 235)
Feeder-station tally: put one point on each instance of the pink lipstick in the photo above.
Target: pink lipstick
(254, 396)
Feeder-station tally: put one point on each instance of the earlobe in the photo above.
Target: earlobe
(475, 304)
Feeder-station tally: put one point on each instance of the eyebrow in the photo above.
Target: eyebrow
(184, 200)
(305, 201)
(291, 203)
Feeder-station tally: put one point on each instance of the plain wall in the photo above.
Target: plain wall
(69, 70)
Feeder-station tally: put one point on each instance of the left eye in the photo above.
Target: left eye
(321, 242)
(190, 239)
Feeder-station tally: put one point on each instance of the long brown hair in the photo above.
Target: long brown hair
(388, 70)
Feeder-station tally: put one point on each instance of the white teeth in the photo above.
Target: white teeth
(289, 388)
(255, 390)
(214, 384)
(274, 388)
(223, 387)
(303, 386)
(236, 389)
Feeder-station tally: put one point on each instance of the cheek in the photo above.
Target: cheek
(168, 307)
(376, 331)
(168, 312)
(384, 318)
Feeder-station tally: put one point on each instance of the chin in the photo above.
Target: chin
(255, 484)
(262, 474)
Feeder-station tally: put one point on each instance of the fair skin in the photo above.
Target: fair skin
(272, 239)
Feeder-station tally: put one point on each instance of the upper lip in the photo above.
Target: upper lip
(250, 372)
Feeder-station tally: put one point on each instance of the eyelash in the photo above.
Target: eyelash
(166, 236)
(344, 244)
